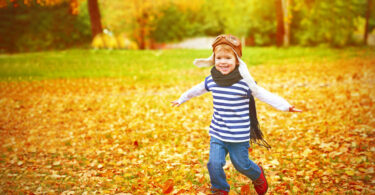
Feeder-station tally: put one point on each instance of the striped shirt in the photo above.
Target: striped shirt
(230, 121)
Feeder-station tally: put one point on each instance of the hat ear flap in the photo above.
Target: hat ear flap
(204, 62)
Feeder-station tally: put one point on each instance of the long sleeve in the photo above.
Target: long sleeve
(271, 99)
(193, 92)
(261, 93)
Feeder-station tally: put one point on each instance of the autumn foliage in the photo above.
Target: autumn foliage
(107, 135)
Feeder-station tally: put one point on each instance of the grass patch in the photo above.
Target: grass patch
(149, 64)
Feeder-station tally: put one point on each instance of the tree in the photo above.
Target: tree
(285, 6)
(236, 17)
(367, 17)
(36, 27)
(142, 19)
(138, 18)
(331, 23)
(280, 30)
(96, 24)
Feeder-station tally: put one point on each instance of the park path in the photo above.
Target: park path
(193, 43)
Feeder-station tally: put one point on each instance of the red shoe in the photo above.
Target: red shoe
(219, 192)
(260, 184)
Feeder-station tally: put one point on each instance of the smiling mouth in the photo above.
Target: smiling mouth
(224, 68)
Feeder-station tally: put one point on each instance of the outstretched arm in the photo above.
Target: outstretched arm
(264, 95)
(193, 92)
(274, 100)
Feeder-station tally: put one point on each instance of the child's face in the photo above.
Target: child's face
(225, 62)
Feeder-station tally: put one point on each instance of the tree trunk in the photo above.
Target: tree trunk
(141, 20)
(285, 5)
(96, 24)
(365, 36)
(280, 23)
(142, 30)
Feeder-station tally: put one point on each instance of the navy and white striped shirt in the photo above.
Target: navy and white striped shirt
(230, 121)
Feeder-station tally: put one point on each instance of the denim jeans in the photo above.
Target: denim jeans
(239, 155)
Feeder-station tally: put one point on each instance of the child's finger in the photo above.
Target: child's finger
(175, 103)
(292, 109)
(295, 110)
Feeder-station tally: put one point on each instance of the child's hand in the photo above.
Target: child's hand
(175, 103)
(292, 109)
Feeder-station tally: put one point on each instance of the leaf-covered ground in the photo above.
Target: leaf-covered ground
(107, 135)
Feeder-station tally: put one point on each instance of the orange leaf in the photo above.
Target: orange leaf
(245, 190)
(168, 186)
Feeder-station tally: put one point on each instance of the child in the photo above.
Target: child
(234, 122)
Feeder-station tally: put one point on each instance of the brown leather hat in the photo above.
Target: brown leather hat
(230, 40)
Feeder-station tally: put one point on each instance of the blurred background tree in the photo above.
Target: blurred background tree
(326, 22)
(369, 16)
(95, 19)
(29, 25)
(148, 22)
(178, 20)
(262, 24)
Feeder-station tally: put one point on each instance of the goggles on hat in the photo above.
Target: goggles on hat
(230, 38)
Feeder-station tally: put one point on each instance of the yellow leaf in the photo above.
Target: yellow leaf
(370, 170)
(275, 162)
(349, 172)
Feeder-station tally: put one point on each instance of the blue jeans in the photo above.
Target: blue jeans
(239, 155)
